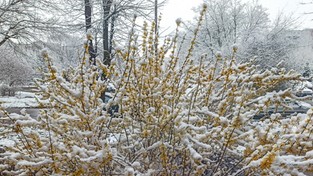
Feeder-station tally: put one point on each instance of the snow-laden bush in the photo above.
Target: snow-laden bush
(14, 70)
(174, 119)
(6, 90)
(3, 89)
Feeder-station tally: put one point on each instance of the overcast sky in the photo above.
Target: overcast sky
(183, 9)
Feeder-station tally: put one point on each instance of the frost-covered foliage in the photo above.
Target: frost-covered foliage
(13, 69)
(70, 135)
(23, 21)
(173, 119)
(245, 24)
(6, 90)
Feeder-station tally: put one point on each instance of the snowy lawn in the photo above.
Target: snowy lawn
(20, 100)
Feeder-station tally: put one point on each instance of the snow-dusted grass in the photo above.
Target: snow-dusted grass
(20, 100)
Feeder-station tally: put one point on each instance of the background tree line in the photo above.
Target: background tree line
(29, 26)
(26, 27)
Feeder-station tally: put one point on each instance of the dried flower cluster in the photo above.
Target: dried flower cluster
(175, 118)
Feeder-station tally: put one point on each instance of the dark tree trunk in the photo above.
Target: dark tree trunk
(106, 5)
(113, 18)
(87, 14)
(156, 31)
(105, 32)
(88, 26)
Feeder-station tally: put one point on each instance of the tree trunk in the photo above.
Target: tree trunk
(106, 5)
(113, 18)
(87, 14)
(156, 28)
(105, 36)
(88, 26)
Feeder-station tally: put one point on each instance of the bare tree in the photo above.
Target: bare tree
(23, 21)
(13, 70)
(247, 25)
(109, 19)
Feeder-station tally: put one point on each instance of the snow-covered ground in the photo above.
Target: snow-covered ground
(20, 100)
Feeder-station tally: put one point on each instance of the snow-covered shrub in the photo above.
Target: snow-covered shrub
(6, 90)
(175, 119)
(14, 70)
(3, 89)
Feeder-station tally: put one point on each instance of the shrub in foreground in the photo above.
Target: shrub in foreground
(175, 118)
